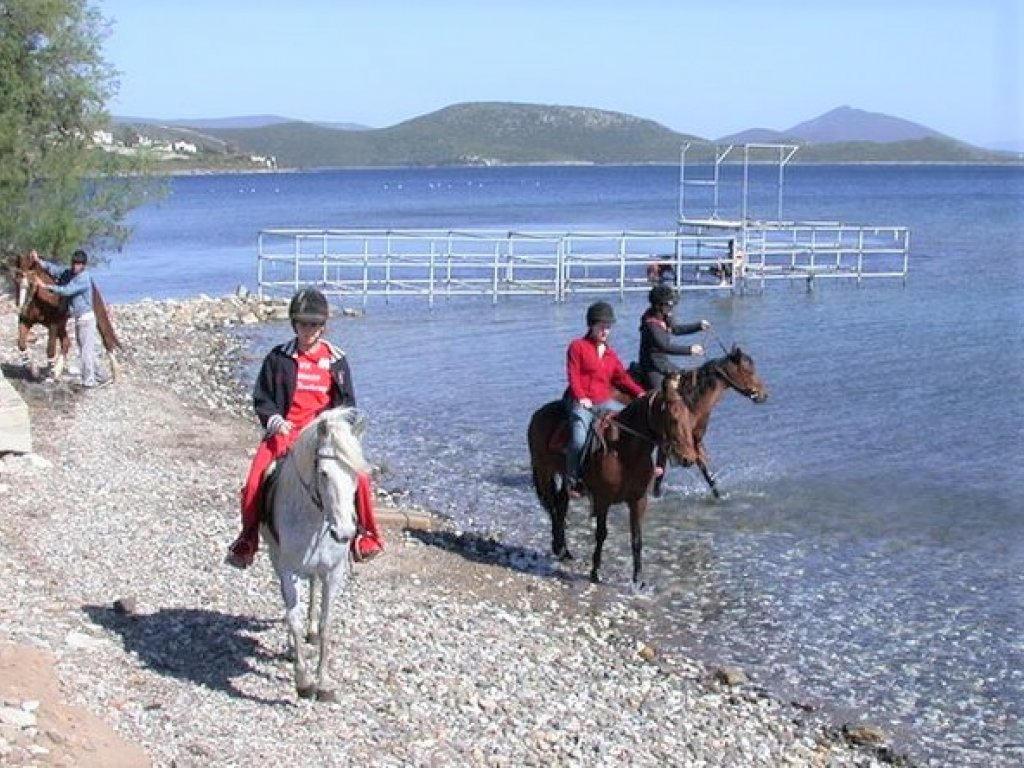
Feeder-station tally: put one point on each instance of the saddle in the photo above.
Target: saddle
(604, 432)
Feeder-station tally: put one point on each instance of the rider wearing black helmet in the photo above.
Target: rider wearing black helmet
(593, 369)
(297, 382)
(656, 349)
(656, 332)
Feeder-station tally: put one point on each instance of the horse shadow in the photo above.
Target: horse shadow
(206, 648)
(488, 551)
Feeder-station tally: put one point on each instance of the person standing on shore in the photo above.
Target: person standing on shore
(298, 381)
(592, 368)
(74, 285)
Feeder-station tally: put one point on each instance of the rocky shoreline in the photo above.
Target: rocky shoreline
(112, 536)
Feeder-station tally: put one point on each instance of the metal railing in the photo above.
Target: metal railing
(443, 264)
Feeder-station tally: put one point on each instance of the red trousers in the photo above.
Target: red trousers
(274, 448)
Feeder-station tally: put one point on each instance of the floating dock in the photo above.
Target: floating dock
(707, 251)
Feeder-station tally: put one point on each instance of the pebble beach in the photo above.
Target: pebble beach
(447, 651)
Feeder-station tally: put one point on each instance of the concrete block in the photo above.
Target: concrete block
(15, 427)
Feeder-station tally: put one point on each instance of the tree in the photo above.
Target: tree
(58, 190)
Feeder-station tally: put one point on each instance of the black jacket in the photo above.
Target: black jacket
(656, 345)
(275, 385)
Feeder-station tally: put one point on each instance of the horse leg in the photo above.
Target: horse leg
(26, 356)
(705, 469)
(324, 691)
(293, 618)
(313, 614)
(559, 511)
(637, 509)
(600, 511)
(55, 362)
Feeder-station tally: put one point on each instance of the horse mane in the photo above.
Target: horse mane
(345, 428)
(694, 383)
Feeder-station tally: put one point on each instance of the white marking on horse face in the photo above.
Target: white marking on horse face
(337, 489)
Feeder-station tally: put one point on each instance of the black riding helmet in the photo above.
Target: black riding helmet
(661, 294)
(308, 306)
(600, 312)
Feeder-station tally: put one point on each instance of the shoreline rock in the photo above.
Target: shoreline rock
(448, 649)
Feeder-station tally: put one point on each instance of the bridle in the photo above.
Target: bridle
(746, 392)
(312, 487)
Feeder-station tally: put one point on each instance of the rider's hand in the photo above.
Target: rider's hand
(278, 425)
(587, 403)
(697, 350)
(704, 325)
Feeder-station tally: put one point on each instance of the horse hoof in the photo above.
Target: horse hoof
(564, 556)
(326, 695)
(595, 577)
(312, 638)
(642, 589)
(307, 692)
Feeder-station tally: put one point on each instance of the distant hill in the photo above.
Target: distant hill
(478, 133)
(486, 133)
(843, 124)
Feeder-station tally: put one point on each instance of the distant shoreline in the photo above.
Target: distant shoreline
(320, 169)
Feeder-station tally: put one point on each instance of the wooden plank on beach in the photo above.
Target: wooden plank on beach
(15, 428)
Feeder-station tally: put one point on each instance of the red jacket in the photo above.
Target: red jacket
(591, 376)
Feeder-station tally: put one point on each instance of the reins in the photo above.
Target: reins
(635, 433)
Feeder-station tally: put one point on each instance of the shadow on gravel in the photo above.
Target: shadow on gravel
(482, 549)
(207, 648)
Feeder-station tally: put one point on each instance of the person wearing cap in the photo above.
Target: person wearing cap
(656, 331)
(74, 286)
(593, 369)
(298, 381)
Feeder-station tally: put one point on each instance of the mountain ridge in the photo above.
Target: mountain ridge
(485, 133)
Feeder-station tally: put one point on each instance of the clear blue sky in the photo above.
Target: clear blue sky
(707, 67)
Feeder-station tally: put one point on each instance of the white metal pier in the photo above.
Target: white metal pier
(707, 252)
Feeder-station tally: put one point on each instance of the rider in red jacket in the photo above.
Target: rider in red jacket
(593, 369)
(297, 382)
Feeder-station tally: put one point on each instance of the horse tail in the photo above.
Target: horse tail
(544, 492)
(538, 437)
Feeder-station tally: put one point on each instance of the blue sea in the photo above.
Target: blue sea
(869, 555)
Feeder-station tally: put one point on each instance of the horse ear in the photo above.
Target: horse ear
(357, 420)
(736, 353)
(670, 386)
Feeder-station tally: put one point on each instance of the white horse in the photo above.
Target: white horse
(313, 522)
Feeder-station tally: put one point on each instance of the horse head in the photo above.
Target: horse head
(339, 458)
(737, 370)
(674, 421)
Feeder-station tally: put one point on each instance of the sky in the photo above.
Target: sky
(703, 67)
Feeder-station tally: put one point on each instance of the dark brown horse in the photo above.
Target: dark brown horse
(703, 387)
(619, 471)
(44, 308)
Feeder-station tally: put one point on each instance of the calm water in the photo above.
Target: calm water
(869, 555)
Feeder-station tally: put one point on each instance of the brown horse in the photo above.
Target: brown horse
(44, 308)
(703, 387)
(620, 470)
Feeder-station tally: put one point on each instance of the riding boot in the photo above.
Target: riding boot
(368, 542)
(243, 550)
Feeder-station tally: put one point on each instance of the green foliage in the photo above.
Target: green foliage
(59, 192)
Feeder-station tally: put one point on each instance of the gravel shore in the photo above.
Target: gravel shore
(447, 652)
